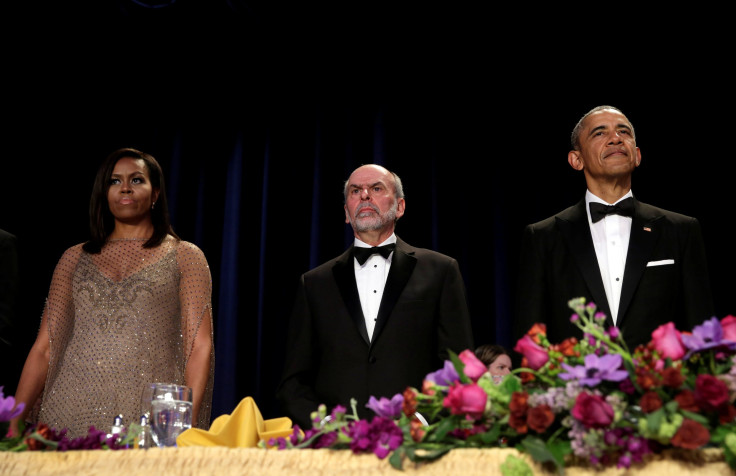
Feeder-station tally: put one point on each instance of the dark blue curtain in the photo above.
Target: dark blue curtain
(257, 121)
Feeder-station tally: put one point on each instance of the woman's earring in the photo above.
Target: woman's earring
(152, 205)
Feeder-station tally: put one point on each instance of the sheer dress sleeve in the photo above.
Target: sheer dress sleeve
(195, 293)
(59, 313)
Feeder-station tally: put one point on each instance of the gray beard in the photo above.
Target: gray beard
(372, 223)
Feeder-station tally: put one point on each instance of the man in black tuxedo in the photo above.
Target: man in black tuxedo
(642, 266)
(373, 324)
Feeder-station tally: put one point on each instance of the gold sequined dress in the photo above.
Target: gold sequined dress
(118, 320)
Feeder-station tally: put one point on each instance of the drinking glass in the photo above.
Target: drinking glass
(146, 397)
(171, 412)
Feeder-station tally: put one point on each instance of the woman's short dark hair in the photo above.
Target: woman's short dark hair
(487, 353)
(101, 220)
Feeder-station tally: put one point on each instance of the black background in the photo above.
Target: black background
(472, 107)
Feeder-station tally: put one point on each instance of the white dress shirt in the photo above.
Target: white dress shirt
(611, 242)
(371, 279)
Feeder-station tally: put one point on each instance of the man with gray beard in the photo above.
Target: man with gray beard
(376, 319)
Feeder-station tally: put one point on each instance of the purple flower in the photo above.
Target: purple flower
(279, 442)
(326, 440)
(7, 412)
(624, 461)
(381, 436)
(388, 437)
(338, 412)
(387, 408)
(706, 336)
(360, 436)
(596, 369)
(444, 376)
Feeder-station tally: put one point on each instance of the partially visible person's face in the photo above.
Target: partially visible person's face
(607, 146)
(131, 194)
(371, 203)
(500, 366)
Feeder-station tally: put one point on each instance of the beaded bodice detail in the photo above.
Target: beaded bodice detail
(118, 320)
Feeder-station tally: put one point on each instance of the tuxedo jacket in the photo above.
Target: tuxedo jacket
(329, 358)
(665, 275)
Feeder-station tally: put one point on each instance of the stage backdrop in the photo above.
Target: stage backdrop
(257, 123)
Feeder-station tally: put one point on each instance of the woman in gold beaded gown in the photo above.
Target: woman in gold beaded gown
(129, 307)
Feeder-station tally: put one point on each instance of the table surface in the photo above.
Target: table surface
(223, 461)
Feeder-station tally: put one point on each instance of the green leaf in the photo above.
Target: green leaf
(654, 419)
(397, 457)
(489, 437)
(559, 449)
(719, 435)
(443, 427)
(427, 451)
(670, 406)
(695, 416)
(539, 451)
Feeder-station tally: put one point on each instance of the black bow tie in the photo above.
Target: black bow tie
(362, 254)
(623, 208)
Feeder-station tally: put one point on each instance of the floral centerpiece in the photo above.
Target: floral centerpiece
(41, 437)
(589, 401)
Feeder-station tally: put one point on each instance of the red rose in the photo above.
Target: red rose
(650, 402)
(686, 400)
(518, 423)
(728, 324)
(667, 340)
(539, 418)
(727, 415)
(519, 403)
(690, 435)
(646, 379)
(535, 355)
(711, 394)
(592, 411)
(672, 377)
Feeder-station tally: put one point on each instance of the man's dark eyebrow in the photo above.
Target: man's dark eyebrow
(603, 127)
(352, 185)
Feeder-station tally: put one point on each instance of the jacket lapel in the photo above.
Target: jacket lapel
(573, 224)
(402, 266)
(344, 274)
(644, 234)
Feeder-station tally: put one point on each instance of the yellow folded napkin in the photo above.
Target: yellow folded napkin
(244, 428)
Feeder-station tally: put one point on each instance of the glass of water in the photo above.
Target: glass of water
(171, 412)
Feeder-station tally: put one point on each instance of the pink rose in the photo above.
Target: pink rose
(592, 411)
(474, 368)
(668, 341)
(535, 355)
(466, 399)
(728, 324)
